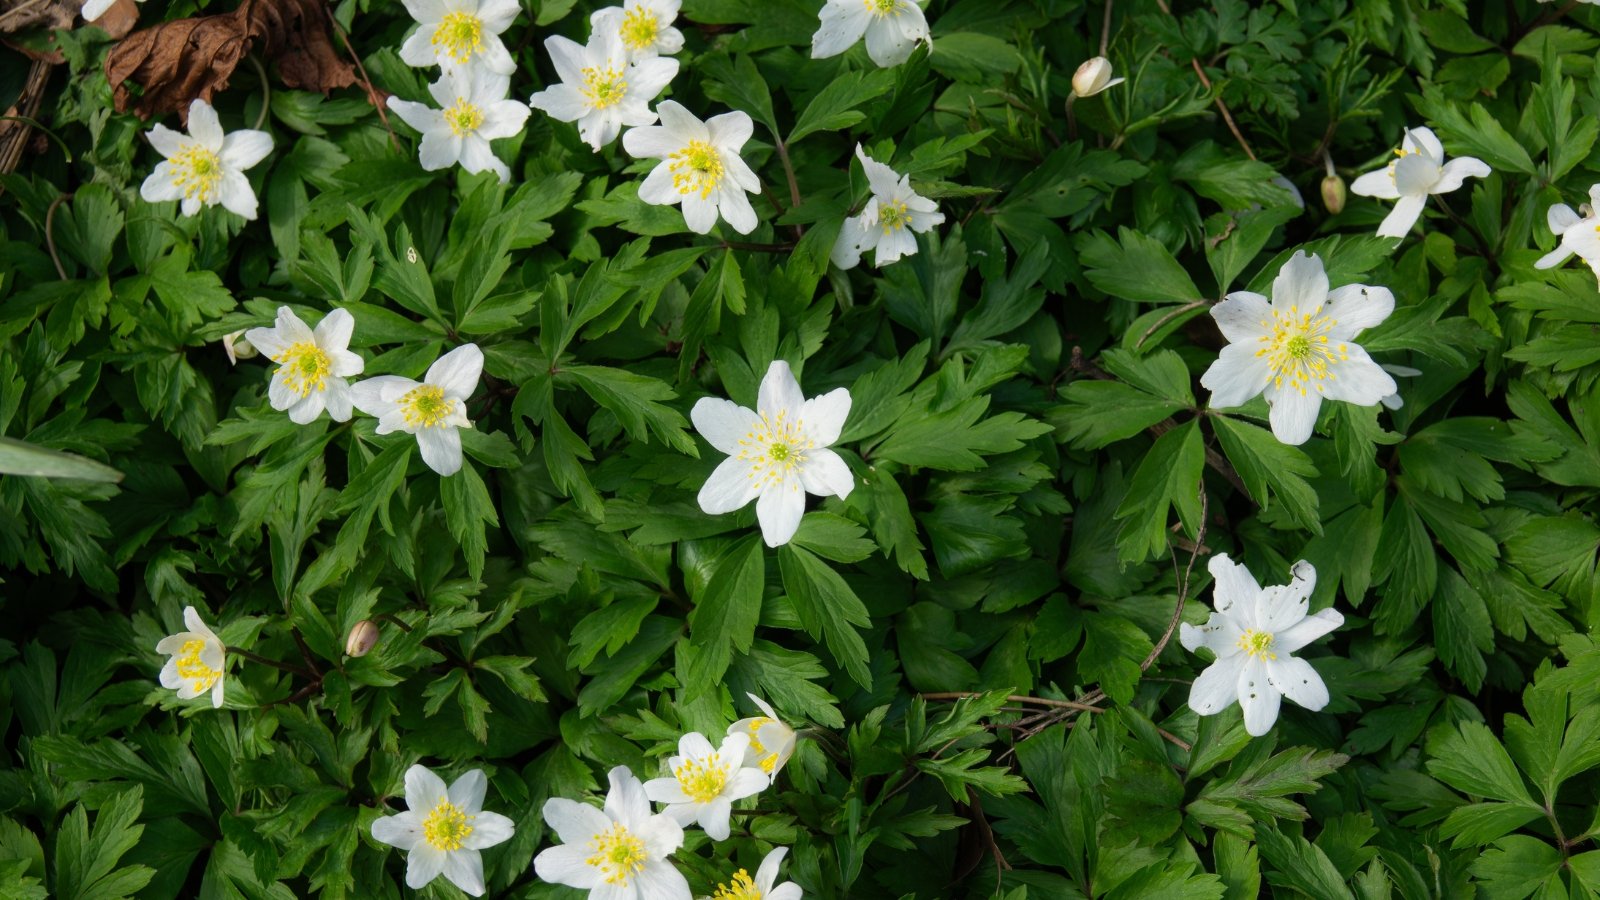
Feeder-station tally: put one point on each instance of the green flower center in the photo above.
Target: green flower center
(460, 35)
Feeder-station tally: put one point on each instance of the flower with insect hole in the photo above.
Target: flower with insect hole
(1579, 233)
(442, 830)
(1297, 348)
(771, 741)
(313, 364)
(888, 224)
(892, 29)
(777, 452)
(198, 660)
(600, 88)
(616, 853)
(1418, 170)
(432, 409)
(206, 166)
(473, 110)
(700, 167)
(643, 26)
(457, 34)
(705, 781)
(1252, 633)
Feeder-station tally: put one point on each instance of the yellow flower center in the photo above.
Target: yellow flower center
(775, 449)
(618, 855)
(463, 117)
(702, 782)
(639, 28)
(697, 168)
(604, 87)
(199, 675)
(196, 171)
(303, 368)
(460, 35)
(447, 826)
(425, 406)
(1298, 351)
(882, 7)
(740, 887)
(893, 216)
(1257, 644)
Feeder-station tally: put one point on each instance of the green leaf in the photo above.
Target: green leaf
(22, 458)
(1472, 760)
(828, 608)
(86, 862)
(1135, 267)
(636, 401)
(1262, 461)
(467, 509)
(834, 107)
(1168, 478)
(725, 614)
(1298, 864)
(1475, 133)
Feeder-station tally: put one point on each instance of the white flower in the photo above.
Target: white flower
(705, 781)
(1252, 634)
(888, 220)
(442, 830)
(198, 658)
(1418, 171)
(742, 887)
(206, 166)
(892, 27)
(771, 741)
(473, 111)
(1093, 77)
(458, 33)
(643, 26)
(94, 9)
(1579, 234)
(312, 365)
(700, 166)
(1296, 348)
(431, 409)
(600, 89)
(619, 853)
(237, 347)
(776, 452)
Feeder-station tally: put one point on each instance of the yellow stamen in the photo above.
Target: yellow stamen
(425, 406)
(776, 449)
(740, 887)
(618, 855)
(639, 28)
(460, 34)
(702, 782)
(1257, 644)
(697, 168)
(604, 87)
(304, 368)
(447, 826)
(769, 761)
(196, 171)
(463, 117)
(893, 216)
(1298, 350)
(199, 675)
(883, 7)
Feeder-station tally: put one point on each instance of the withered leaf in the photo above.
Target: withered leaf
(177, 61)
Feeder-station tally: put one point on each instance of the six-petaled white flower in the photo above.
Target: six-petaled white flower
(1579, 233)
(460, 33)
(777, 453)
(700, 166)
(600, 88)
(762, 887)
(892, 29)
(1418, 170)
(432, 409)
(198, 658)
(705, 781)
(442, 831)
(1296, 349)
(771, 741)
(473, 110)
(206, 166)
(1252, 633)
(889, 222)
(643, 26)
(312, 364)
(619, 853)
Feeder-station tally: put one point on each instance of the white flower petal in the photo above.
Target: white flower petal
(824, 417)
(1282, 605)
(567, 864)
(1422, 138)
(1458, 170)
(659, 880)
(1301, 285)
(1257, 697)
(732, 486)
(1297, 680)
(1415, 174)
(1307, 630)
(243, 149)
(780, 392)
(1218, 686)
(768, 873)
(1404, 215)
(1379, 184)
(1359, 380)
(713, 817)
(464, 869)
(403, 830)
(441, 449)
(1234, 583)
(826, 475)
(625, 801)
(561, 102)
(1560, 217)
(779, 510)
(651, 142)
(1237, 375)
(1243, 316)
(468, 791)
(236, 195)
(424, 863)
(1554, 258)
(424, 790)
(1294, 415)
(843, 23)
(889, 41)
(572, 821)
(1355, 308)
(736, 210)
(723, 423)
(204, 126)
(457, 372)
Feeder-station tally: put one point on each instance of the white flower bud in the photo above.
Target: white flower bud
(1333, 195)
(363, 637)
(237, 347)
(1093, 77)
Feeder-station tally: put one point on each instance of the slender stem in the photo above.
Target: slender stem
(1183, 583)
(1483, 242)
(1072, 120)
(1105, 29)
(1015, 698)
(49, 234)
(258, 658)
(390, 617)
(372, 92)
(758, 248)
(266, 91)
(794, 186)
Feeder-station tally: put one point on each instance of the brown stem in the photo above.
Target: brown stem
(49, 234)
(258, 658)
(1014, 698)
(1105, 29)
(372, 93)
(794, 186)
(757, 248)
(1183, 583)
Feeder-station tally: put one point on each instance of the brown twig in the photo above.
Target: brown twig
(1105, 29)
(372, 92)
(1015, 698)
(757, 248)
(1221, 106)
(794, 186)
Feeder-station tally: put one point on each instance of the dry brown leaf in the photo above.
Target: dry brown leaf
(119, 19)
(177, 61)
(17, 15)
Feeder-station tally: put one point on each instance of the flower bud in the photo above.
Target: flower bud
(237, 347)
(1093, 77)
(363, 637)
(1333, 194)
